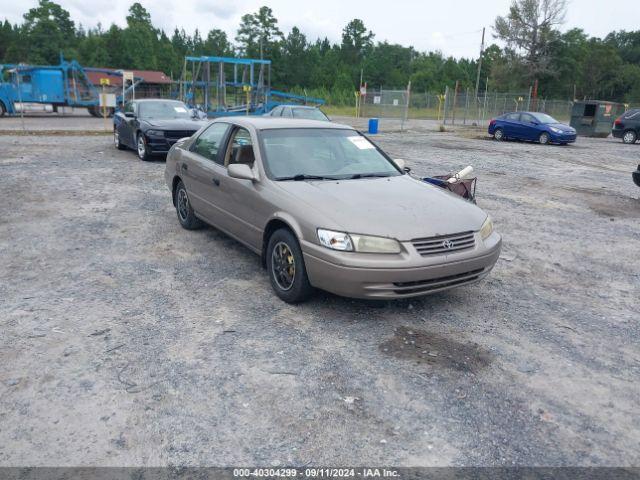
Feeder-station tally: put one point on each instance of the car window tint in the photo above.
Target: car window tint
(286, 112)
(208, 143)
(632, 114)
(514, 117)
(276, 112)
(241, 148)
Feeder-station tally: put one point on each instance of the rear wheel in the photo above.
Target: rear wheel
(543, 138)
(285, 265)
(498, 134)
(630, 136)
(186, 215)
(141, 144)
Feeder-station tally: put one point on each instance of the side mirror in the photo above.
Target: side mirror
(129, 114)
(399, 162)
(241, 171)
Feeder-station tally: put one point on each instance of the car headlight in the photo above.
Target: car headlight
(335, 240)
(486, 229)
(357, 243)
(155, 133)
(555, 130)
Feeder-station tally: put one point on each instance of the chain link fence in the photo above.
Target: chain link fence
(463, 108)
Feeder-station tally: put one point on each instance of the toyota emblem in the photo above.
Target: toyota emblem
(448, 244)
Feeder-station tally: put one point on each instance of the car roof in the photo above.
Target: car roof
(269, 123)
(306, 107)
(143, 100)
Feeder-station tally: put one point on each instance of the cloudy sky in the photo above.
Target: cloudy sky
(454, 27)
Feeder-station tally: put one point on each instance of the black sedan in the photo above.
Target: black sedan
(151, 126)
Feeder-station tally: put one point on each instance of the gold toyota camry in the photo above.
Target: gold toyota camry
(326, 208)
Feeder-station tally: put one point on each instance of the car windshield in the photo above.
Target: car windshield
(322, 154)
(163, 110)
(544, 118)
(309, 114)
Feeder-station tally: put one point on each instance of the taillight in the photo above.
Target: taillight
(618, 122)
(492, 122)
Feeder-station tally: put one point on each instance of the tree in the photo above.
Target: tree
(217, 44)
(140, 39)
(356, 41)
(48, 30)
(528, 29)
(258, 35)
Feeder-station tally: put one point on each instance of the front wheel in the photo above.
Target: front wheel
(498, 134)
(629, 137)
(141, 143)
(116, 140)
(285, 265)
(544, 138)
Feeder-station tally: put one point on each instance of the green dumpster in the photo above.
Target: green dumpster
(594, 118)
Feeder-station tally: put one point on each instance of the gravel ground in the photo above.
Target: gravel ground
(125, 340)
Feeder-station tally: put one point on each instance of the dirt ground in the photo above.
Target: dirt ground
(125, 340)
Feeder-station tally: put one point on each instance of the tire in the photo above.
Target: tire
(498, 134)
(543, 138)
(141, 148)
(186, 215)
(116, 140)
(286, 269)
(629, 137)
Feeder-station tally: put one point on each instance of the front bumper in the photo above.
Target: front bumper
(160, 145)
(393, 278)
(563, 137)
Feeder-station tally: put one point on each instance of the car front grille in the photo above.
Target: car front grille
(432, 284)
(444, 244)
(178, 134)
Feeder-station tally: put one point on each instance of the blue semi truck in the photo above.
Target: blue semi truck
(44, 88)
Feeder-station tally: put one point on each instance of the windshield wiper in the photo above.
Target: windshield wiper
(304, 176)
(368, 175)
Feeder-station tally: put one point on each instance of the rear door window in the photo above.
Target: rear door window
(512, 117)
(635, 113)
(286, 112)
(526, 118)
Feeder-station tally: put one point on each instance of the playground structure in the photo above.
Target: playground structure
(45, 88)
(223, 86)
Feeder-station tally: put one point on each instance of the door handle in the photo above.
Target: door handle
(216, 181)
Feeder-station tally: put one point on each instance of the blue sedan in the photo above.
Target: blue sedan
(532, 126)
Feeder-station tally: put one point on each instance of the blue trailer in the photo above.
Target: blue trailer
(44, 88)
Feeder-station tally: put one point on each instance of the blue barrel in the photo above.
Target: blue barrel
(373, 125)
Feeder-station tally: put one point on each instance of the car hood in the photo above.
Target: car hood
(562, 127)
(177, 124)
(399, 207)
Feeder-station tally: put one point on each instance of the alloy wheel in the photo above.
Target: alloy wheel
(498, 135)
(141, 147)
(283, 265)
(183, 204)
(116, 138)
(629, 137)
(544, 138)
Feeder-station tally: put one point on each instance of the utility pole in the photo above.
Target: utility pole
(478, 75)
